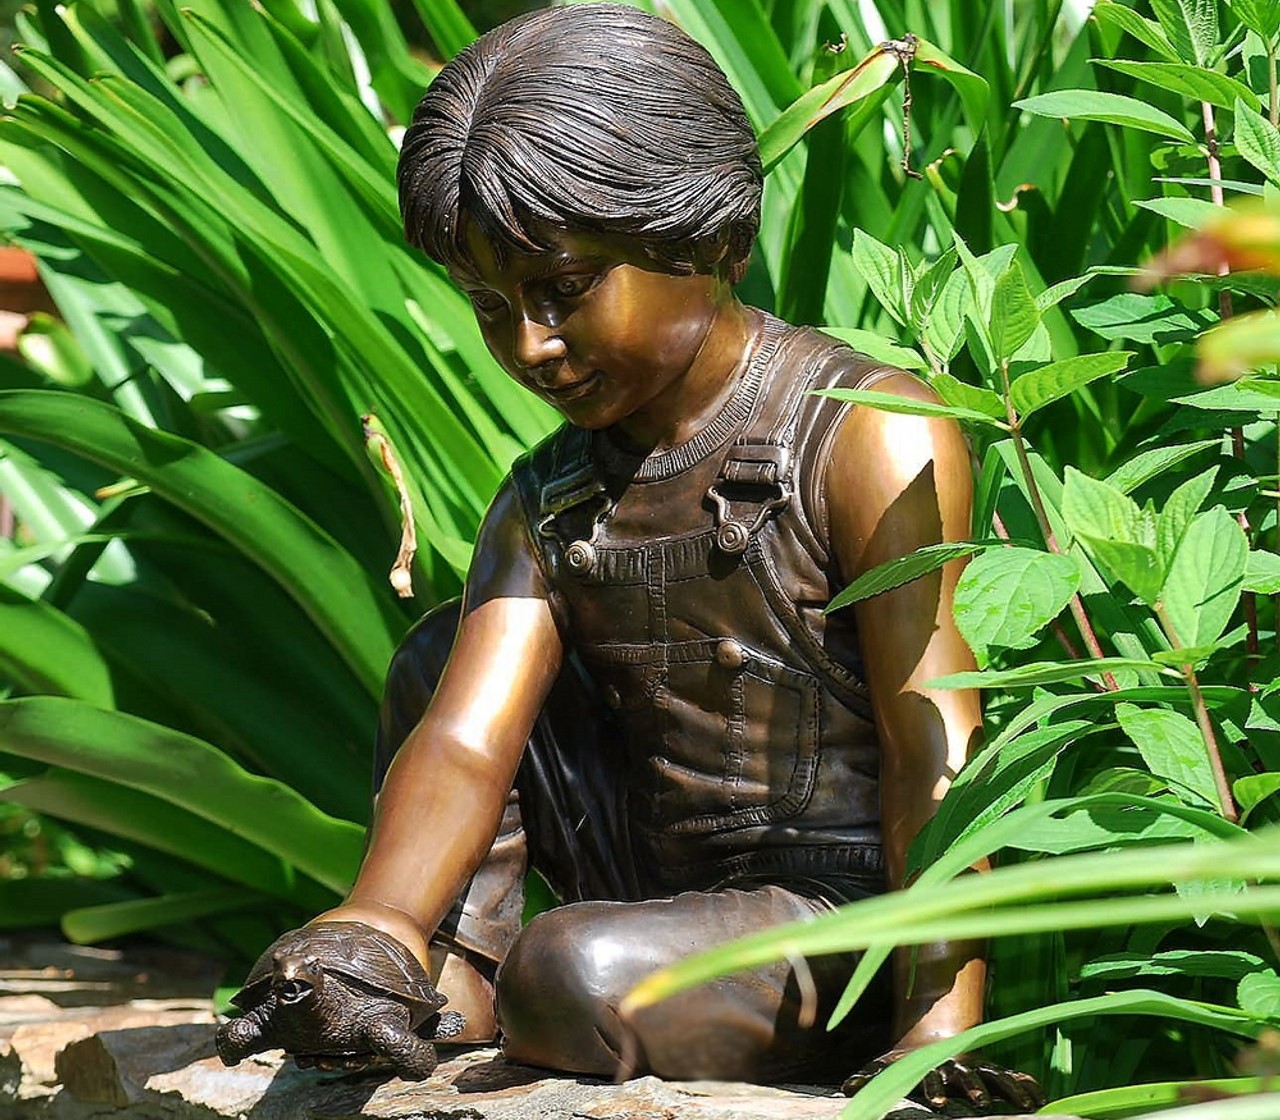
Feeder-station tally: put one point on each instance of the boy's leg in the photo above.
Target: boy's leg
(560, 986)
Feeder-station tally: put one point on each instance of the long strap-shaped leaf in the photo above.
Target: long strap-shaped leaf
(46, 651)
(186, 772)
(334, 590)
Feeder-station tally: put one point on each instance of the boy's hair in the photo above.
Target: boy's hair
(595, 117)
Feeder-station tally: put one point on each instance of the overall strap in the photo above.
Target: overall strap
(573, 486)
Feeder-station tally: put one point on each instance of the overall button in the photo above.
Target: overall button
(730, 654)
(612, 697)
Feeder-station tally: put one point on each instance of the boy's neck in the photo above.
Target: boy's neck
(686, 406)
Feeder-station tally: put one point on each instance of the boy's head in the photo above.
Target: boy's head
(598, 118)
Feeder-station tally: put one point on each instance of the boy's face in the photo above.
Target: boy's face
(590, 326)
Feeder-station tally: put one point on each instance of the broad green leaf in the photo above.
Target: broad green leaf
(881, 268)
(43, 650)
(1056, 293)
(33, 903)
(1172, 746)
(121, 811)
(1101, 828)
(1110, 108)
(1050, 383)
(1133, 317)
(1258, 140)
(1179, 510)
(1253, 789)
(1259, 994)
(894, 573)
(944, 330)
(1231, 964)
(1203, 583)
(1193, 82)
(1189, 212)
(1014, 314)
(963, 395)
(188, 773)
(891, 402)
(1262, 573)
(1144, 30)
(1146, 465)
(1006, 595)
(846, 88)
(878, 347)
(973, 89)
(1120, 535)
(87, 925)
(328, 584)
(1192, 28)
(1041, 672)
(1260, 16)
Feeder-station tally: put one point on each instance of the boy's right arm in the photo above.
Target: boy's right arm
(443, 797)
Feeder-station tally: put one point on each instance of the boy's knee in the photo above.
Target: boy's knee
(562, 982)
(558, 990)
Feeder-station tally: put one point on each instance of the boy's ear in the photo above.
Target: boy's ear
(726, 252)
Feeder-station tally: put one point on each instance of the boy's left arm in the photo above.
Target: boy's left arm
(895, 483)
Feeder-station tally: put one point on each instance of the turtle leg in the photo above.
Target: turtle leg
(414, 1058)
(240, 1037)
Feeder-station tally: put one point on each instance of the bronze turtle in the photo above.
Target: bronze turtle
(341, 993)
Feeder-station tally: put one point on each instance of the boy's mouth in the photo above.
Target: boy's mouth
(576, 390)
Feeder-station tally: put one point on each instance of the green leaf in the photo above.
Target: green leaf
(963, 395)
(881, 268)
(1204, 581)
(1258, 140)
(158, 824)
(1120, 535)
(1014, 314)
(1172, 747)
(1144, 30)
(891, 402)
(1043, 386)
(1156, 1097)
(328, 584)
(844, 89)
(1254, 789)
(1133, 317)
(1262, 573)
(973, 89)
(33, 903)
(1042, 672)
(87, 925)
(1189, 212)
(44, 650)
(894, 573)
(1231, 964)
(1179, 510)
(1056, 293)
(1145, 466)
(1193, 82)
(1192, 28)
(1261, 17)
(447, 24)
(1259, 994)
(877, 347)
(188, 773)
(1110, 108)
(1006, 595)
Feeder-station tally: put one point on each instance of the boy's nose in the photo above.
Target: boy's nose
(536, 344)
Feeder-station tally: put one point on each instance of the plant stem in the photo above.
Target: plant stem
(1046, 529)
(1247, 600)
(1227, 801)
(1275, 83)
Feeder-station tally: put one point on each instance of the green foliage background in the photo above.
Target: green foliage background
(194, 612)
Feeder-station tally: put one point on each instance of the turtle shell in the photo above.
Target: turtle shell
(360, 954)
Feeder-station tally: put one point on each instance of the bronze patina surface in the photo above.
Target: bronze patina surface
(640, 695)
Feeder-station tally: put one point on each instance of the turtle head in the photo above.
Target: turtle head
(298, 977)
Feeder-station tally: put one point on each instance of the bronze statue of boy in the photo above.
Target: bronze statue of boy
(639, 695)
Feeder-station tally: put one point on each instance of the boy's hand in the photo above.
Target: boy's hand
(969, 1079)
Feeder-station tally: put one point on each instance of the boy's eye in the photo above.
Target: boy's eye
(572, 284)
(485, 302)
